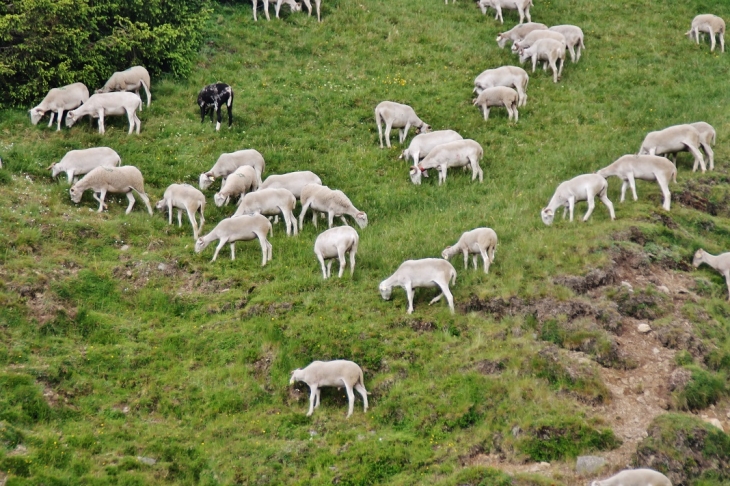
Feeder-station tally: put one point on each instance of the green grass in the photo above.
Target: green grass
(189, 365)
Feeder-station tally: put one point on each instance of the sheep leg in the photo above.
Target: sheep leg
(266, 9)
(522, 14)
(136, 121)
(344, 221)
(70, 175)
(710, 155)
(319, 6)
(632, 183)
(436, 299)
(571, 206)
(623, 190)
(222, 242)
(330, 218)
(319, 398)
(191, 217)
(474, 260)
(565, 212)
(305, 206)
(329, 268)
(442, 174)
(534, 62)
(698, 157)
(378, 122)
(233, 250)
(287, 220)
(409, 295)
(445, 291)
(350, 399)
(499, 14)
(50, 122)
(179, 218)
(722, 42)
(712, 40)
(466, 258)
(58, 119)
(727, 282)
(218, 116)
(664, 186)
(202, 220)
(591, 200)
(343, 262)
(527, 14)
(607, 202)
(487, 261)
(308, 4)
(130, 198)
(555, 70)
(321, 263)
(102, 196)
(277, 7)
(388, 126)
(101, 122)
(404, 132)
(265, 248)
(485, 111)
(571, 49)
(362, 391)
(312, 397)
(353, 252)
(697, 35)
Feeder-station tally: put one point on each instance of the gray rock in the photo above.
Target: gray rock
(162, 267)
(643, 328)
(146, 460)
(589, 464)
(124, 247)
(663, 288)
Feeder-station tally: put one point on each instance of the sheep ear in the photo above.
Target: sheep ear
(50, 166)
(211, 178)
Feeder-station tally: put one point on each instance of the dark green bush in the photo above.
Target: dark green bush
(50, 43)
(563, 439)
(704, 389)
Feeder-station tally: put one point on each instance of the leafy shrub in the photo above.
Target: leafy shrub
(704, 389)
(21, 401)
(562, 439)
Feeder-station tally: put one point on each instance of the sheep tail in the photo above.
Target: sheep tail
(142, 194)
(674, 175)
(453, 277)
(583, 46)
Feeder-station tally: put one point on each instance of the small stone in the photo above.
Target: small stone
(624, 283)
(147, 460)
(162, 267)
(312, 433)
(663, 288)
(125, 409)
(516, 431)
(655, 350)
(715, 422)
(544, 464)
(589, 464)
(124, 248)
(643, 328)
(129, 273)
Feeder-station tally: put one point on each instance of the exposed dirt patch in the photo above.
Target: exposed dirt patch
(488, 367)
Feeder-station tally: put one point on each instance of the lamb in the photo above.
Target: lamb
(59, 100)
(581, 188)
(293, 181)
(396, 115)
(535, 36)
(242, 180)
(337, 373)
(518, 32)
(573, 38)
(711, 24)
(453, 154)
(214, 96)
(333, 202)
(130, 80)
(271, 202)
(427, 272)
(677, 138)
(228, 163)
(522, 6)
(721, 263)
(80, 162)
(644, 167)
(118, 180)
(103, 104)
(318, 4)
(635, 477)
(548, 50)
(422, 144)
(479, 241)
(498, 96)
(334, 243)
(295, 7)
(238, 228)
(509, 76)
(184, 196)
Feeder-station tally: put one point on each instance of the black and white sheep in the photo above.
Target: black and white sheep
(213, 97)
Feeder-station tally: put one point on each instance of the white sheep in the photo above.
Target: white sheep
(79, 162)
(635, 477)
(292, 181)
(549, 50)
(129, 80)
(270, 202)
(677, 138)
(710, 24)
(239, 228)
(721, 263)
(573, 38)
(59, 100)
(522, 7)
(582, 188)
(479, 241)
(184, 197)
(421, 145)
(104, 104)
(117, 180)
(518, 32)
(242, 180)
(644, 167)
(295, 7)
(460, 153)
(427, 272)
(227, 164)
(509, 76)
(335, 243)
(333, 202)
(707, 140)
(498, 96)
(535, 36)
(338, 373)
(396, 115)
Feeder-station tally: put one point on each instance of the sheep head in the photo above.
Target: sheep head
(415, 174)
(361, 219)
(161, 204)
(699, 258)
(220, 200)
(447, 253)
(76, 194)
(501, 41)
(547, 216)
(70, 118)
(35, 115)
(296, 375)
(423, 129)
(385, 290)
(200, 245)
(205, 180)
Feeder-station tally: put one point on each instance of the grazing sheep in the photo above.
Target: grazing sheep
(270, 202)
(548, 50)
(103, 104)
(183, 196)
(80, 162)
(479, 241)
(522, 6)
(130, 80)
(228, 163)
(645, 167)
(582, 188)
(118, 180)
(396, 115)
(318, 4)
(677, 138)
(242, 180)
(212, 98)
(460, 153)
(337, 373)
(238, 228)
(635, 477)
(293, 181)
(428, 272)
(498, 96)
(711, 24)
(535, 36)
(509, 76)
(334, 243)
(333, 202)
(721, 263)
(59, 100)
(421, 145)
(707, 140)
(573, 38)
(518, 32)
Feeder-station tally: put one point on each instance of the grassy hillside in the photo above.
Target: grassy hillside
(119, 342)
